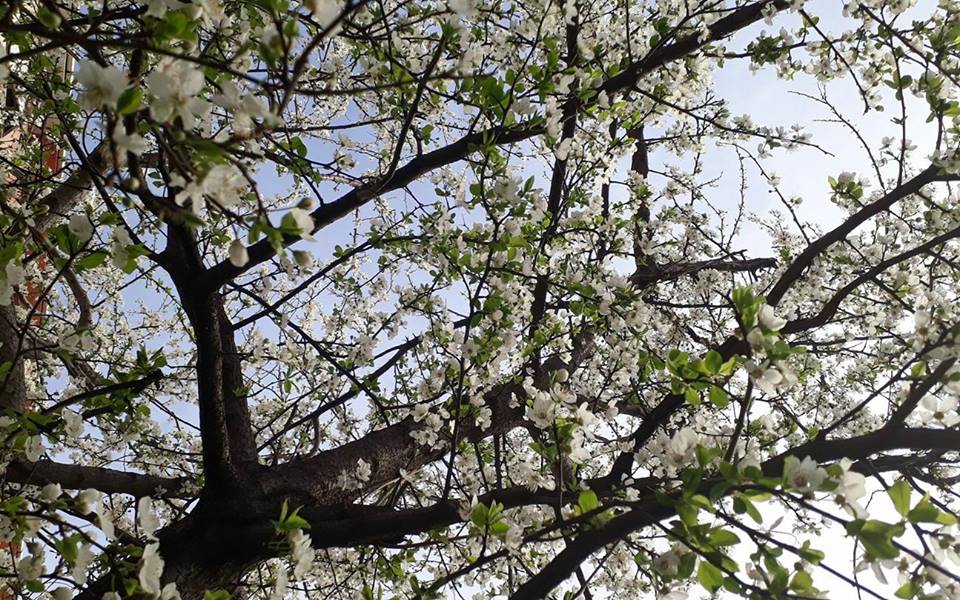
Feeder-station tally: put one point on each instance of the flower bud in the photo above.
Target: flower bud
(303, 258)
(238, 254)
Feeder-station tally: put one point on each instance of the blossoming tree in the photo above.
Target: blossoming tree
(443, 299)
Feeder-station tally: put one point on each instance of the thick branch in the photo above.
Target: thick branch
(108, 481)
(225, 427)
(13, 391)
(650, 274)
(387, 450)
(62, 198)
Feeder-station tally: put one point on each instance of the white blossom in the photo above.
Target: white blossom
(146, 517)
(30, 567)
(681, 447)
(103, 85)
(50, 492)
(324, 11)
(85, 558)
(81, 226)
(87, 501)
(301, 551)
(128, 142)
(851, 487)
(73, 423)
(61, 593)
(803, 476)
(175, 85)
(543, 411)
(668, 562)
(34, 448)
(942, 411)
(769, 319)
(238, 254)
(151, 569)
(303, 258)
(280, 586)
(303, 222)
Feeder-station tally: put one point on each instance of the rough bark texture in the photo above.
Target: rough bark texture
(13, 391)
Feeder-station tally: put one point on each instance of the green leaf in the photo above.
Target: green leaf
(675, 362)
(742, 297)
(688, 514)
(701, 501)
(90, 261)
(588, 501)
(728, 471)
(129, 101)
(923, 512)
(687, 563)
(68, 547)
(290, 520)
(723, 537)
(66, 241)
(742, 504)
(706, 455)
(499, 528)
(907, 590)
(801, 582)
(811, 555)
(297, 145)
(295, 521)
(48, 18)
(876, 537)
(709, 576)
(35, 586)
(479, 515)
(713, 361)
(718, 397)
(130, 266)
(945, 518)
(730, 584)
(728, 367)
(918, 370)
(13, 504)
(216, 595)
(899, 493)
